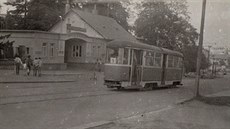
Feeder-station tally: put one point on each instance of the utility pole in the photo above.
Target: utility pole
(197, 81)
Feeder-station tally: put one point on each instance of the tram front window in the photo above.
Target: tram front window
(117, 56)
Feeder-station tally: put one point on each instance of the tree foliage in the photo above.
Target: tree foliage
(5, 45)
(165, 24)
(190, 58)
(34, 14)
(42, 14)
(15, 19)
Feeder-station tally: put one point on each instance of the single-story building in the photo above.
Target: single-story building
(78, 38)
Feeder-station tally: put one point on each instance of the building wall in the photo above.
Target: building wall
(90, 51)
(75, 21)
(48, 46)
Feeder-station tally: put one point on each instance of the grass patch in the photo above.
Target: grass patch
(219, 100)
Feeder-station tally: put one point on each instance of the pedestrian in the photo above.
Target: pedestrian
(18, 63)
(35, 66)
(98, 65)
(29, 64)
(39, 66)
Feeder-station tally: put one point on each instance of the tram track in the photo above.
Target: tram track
(29, 85)
(52, 97)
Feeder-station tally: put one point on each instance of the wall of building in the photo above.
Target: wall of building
(74, 20)
(48, 46)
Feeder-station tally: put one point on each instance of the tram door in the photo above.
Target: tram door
(163, 69)
(136, 67)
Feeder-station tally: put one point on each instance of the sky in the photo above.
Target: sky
(217, 20)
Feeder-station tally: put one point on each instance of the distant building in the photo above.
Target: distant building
(220, 60)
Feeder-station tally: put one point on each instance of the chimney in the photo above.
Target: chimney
(67, 6)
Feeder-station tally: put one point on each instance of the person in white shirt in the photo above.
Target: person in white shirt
(39, 66)
(18, 63)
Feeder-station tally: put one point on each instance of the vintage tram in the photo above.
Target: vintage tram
(137, 65)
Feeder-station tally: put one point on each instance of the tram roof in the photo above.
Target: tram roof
(130, 44)
(176, 53)
(139, 45)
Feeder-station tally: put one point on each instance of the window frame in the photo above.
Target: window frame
(126, 52)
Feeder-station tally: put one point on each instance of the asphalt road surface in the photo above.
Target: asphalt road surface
(67, 105)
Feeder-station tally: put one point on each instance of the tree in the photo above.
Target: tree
(5, 46)
(16, 19)
(165, 24)
(34, 14)
(119, 13)
(42, 14)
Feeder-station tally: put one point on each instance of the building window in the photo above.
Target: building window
(44, 49)
(73, 51)
(27, 50)
(80, 47)
(76, 51)
(52, 49)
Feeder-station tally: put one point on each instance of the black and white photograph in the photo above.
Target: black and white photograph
(114, 64)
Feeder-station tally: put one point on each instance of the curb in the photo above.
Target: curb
(65, 74)
(7, 82)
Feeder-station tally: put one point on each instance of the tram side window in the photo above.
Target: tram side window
(149, 61)
(117, 56)
(157, 59)
(180, 62)
(170, 61)
(176, 62)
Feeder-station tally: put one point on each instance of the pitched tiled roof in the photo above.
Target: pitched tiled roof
(106, 26)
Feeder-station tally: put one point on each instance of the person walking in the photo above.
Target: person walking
(29, 64)
(35, 66)
(39, 66)
(18, 63)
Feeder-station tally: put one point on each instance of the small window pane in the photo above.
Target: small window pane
(79, 51)
(158, 59)
(149, 59)
(117, 55)
(170, 61)
(176, 62)
(73, 51)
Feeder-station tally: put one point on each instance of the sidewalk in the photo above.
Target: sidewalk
(48, 76)
(190, 115)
